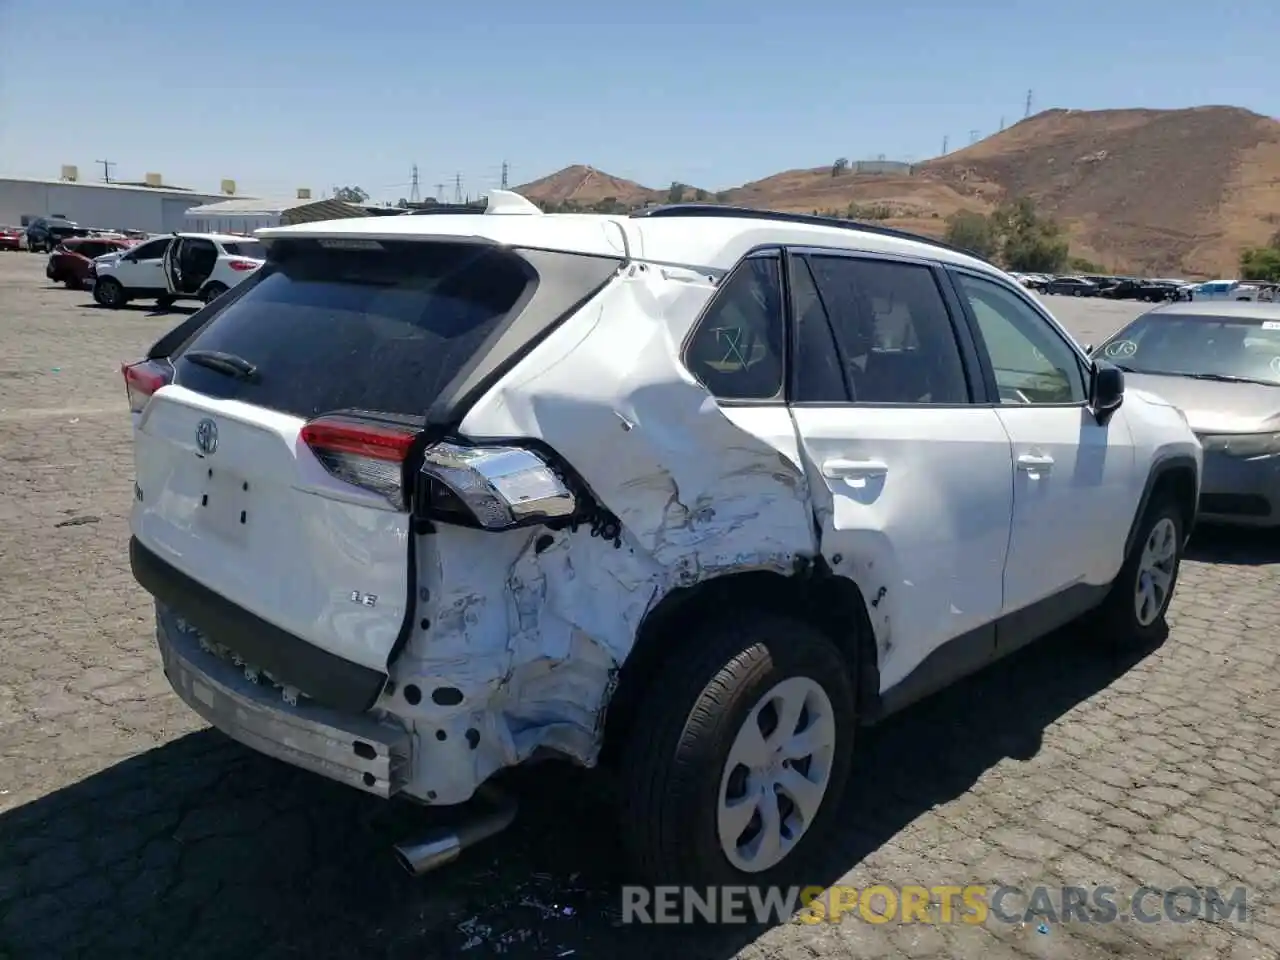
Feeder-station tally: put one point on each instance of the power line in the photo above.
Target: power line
(106, 169)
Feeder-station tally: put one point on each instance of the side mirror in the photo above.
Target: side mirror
(1106, 390)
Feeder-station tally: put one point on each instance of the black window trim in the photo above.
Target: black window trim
(1083, 362)
(765, 251)
(970, 362)
(147, 243)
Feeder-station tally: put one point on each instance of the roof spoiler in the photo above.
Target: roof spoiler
(508, 202)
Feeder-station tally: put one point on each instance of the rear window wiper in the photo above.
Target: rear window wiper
(1228, 378)
(227, 363)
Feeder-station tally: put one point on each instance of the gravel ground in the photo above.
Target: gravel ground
(128, 829)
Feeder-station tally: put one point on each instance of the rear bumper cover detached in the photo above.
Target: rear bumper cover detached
(327, 679)
(358, 751)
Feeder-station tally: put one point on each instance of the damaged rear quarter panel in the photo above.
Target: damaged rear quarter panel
(532, 625)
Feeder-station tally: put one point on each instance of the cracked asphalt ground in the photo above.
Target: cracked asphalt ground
(127, 829)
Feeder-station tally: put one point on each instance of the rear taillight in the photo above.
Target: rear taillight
(494, 487)
(144, 378)
(243, 266)
(366, 453)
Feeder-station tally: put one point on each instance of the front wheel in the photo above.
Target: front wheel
(108, 292)
(738, 755)
(1134, 611)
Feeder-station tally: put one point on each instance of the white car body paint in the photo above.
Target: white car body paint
(519, 635)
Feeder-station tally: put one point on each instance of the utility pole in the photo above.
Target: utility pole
(505, 169)
(1002, 124)
(945, 140)
(106, 169)
(414, 195)
(1028, 113)
(457, 188)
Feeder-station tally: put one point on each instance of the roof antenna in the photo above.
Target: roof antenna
(510, 202)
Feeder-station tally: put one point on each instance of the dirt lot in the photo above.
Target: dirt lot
(129, 830)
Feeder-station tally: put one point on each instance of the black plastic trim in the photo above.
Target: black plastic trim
(328, 679)
(562, 283)
(1169, 463)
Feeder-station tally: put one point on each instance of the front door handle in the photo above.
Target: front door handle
(1031, 463)
(839, 469)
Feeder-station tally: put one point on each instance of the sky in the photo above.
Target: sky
(281, 94)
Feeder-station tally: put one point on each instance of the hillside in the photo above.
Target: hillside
(1155, 191)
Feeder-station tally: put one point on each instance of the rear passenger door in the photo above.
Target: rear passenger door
(913, 477)
(1072, 474)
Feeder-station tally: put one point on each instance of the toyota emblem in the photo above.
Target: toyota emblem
(207, 436)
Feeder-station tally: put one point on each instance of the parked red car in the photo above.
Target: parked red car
(9, 237)
(70, 261)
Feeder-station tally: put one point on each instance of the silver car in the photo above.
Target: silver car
(1220, 364)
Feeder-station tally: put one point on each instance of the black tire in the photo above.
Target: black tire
(213, 291)
(164, 303)
(675, 757)
(72, 283)
(1118, 618)
(108, 292)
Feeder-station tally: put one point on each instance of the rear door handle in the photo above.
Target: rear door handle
(1030, 463)
(839, 469)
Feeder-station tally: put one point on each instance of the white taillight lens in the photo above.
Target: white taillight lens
(500, 486)
(366, 453)
(144, 378)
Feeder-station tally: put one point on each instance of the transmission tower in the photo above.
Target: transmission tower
(1002, 124)
(440, 192)
(973, 137)
(945, 140)
(457, 188)
(415, 196)
(1028, 113)
(505, 169)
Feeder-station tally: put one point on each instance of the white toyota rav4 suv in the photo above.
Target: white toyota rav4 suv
(686, 495)
(182, 266)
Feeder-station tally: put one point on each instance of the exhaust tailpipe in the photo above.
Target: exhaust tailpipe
(437, 847)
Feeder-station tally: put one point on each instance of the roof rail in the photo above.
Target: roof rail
(722, 210)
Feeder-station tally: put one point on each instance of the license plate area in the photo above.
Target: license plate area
(224, 505)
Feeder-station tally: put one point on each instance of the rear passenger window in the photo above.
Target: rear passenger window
(736, 350)
(892, 330)
(381, 328)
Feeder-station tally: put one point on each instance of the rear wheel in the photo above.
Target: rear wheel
(165, 302)
(1134, 611)
(738, 755)
(213, 291)
(108, 292)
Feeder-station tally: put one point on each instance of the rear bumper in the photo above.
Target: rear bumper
(356, 750)
(327, 679)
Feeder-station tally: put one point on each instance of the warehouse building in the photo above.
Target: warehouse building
(246, 216)
(150, 205)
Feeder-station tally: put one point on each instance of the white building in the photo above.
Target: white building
(109, 206)
(246, 216)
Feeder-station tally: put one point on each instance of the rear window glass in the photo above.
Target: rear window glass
(246, 248)
(381, 329)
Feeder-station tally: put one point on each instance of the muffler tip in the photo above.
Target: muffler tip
(427, 854)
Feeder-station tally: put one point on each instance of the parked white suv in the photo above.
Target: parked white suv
(687, 495)
(180, 266)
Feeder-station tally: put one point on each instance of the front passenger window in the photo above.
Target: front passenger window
(1032, 363)
(736, 350)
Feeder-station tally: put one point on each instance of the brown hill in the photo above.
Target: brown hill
(1154, 191)
(584, 186)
